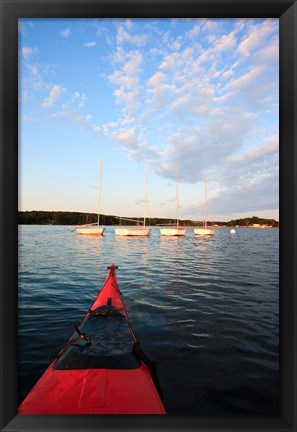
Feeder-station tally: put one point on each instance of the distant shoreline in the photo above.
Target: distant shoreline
(38, 217)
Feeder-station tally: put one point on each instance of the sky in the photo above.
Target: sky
(197, 97)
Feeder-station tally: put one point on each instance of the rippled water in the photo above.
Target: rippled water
(206, 309)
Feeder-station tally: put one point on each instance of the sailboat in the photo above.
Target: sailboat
(204, 230)
(93, 229)
(174, 231)
(136, 230)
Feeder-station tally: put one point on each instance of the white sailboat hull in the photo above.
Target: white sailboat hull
(137, 231)
(204, 231)
(172, 231)
(91, 230)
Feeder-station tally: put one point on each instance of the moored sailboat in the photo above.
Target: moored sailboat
(136, 231)
(205, 230)
(93, 229)
(177, 230)
(132, 231)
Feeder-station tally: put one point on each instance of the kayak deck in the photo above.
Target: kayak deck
(111, 347)
(101, 369)
(94, 391)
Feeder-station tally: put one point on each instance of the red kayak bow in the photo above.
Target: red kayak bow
(101, 369)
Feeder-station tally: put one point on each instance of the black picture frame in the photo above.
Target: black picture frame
(11, 11)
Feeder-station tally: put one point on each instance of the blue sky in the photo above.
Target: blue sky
(200, 93)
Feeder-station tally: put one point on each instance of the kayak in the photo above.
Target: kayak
(101, 369)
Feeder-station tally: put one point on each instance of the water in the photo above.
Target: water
(206, 309)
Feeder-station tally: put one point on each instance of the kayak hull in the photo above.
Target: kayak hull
(94, 375)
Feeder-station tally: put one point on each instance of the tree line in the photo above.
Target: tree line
(36, 217)
(254, 220)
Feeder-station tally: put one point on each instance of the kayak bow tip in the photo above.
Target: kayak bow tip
(112, 268)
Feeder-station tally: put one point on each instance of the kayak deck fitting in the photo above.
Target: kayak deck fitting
(101, 369)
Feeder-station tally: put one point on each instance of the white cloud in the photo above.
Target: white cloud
(127, 80)
(89, 44)
(271, 146)
(227, 74)
(160, 90)
(225, 43)
(247, 180)
(259, 192)
(212, 93)
(157, 79)
(206, 146)
(124, 37)
(194, 32)
(206, 56)
(176, 45)
(133, 63)
(127, 137)
(127, 120)
(55, 93)
(247, 79)
(241, 24)
(269, 54)
(84, 121)
(256, 36)
(128, 24)
(135, 147)
(107, 126)
(119, 55)
(66, 32)
(191, 104)
(127, 98)
(170, 61)
(80, 98)
(34, 70)
(112, 124)
(28, 52)
(210, 25)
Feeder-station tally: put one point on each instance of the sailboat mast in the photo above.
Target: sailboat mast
(205, 197)
(177, 195)
(99, 198)
(145, 196)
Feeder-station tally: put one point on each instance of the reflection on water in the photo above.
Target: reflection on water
(205, 308)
